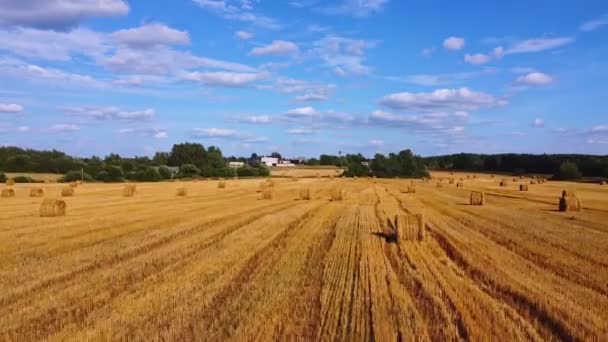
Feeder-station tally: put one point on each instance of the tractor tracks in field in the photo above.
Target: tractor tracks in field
(110, 261)
(231, 305)
(545, 322)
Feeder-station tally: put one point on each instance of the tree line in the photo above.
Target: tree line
(561, 166)
(185, 160)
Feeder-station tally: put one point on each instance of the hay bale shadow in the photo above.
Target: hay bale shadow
(388, 238)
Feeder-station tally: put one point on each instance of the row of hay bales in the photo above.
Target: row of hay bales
(37, 192)
(567, 202)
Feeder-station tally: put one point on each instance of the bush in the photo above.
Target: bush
(568, 170)
(149, 174)
(3, 177)
(73, 176)
(165, 172)
(247, 171)
(114, 174)
(23, 179)
(102, 175)
(131, 175)
(188, 171)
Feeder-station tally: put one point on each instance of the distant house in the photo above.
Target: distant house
(270, 161)
(286, 163)
(365, 163)
(236, 164)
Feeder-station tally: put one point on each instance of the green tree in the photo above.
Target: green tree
(188, 153)
(188, 171)
(3, 177)
(165, 172)
(148, 174)
(568, 170)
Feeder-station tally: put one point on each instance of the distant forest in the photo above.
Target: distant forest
(192, 159)
(564, 166)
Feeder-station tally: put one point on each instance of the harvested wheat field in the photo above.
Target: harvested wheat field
(224, 264)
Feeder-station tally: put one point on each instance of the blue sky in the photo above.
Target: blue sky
(305, 77)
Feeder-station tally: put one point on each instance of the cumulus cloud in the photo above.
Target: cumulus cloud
(11, 108)
(376, 142)
(110, 113)
(38, 74)
(302, 112)
(448, 99)
(225, 79)
(344, 55)
(539, 122)
(310, 97)
(594, 24)
(308, 91)
(276, 48)
(244, 35)
(57, 13)
(453, 43)
(535, 79)
(436, 123)
(481, 58)
(150, 35)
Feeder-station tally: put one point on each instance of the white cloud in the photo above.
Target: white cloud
(599, 129)
(237, 10)
(257, 119)
(57, 13)
(156, 133)
(535, 78)
(453, 43)
(438, 123)
(36, 73)
(244, 35)
(161, 135)
(310, 97)
(376, 142)
(225, 79)
(52, 45)
(301, 131)
(441, 99)
(538, 45)
(110, 113)
(276, 48)
(11, 108)
(441, 79)
(594, 24)
(477, 59)
(214, 133)
(150, 35)
(539, 122)
(24, 129)
(356, 8)
(481, 58)
(344, 55)
(302, 112)
(63, 128)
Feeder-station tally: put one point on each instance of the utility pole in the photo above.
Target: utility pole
(82, 175)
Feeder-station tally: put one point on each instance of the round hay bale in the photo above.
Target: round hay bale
(10, 181)
(451, 181)
(67, 192)
(267, 194)
(8, 192)
(337, 194)
(476, 198)
(409, 189)
(73, 184)
(523, 187)
(409, 227)
(460, 185)
(305, 194)
(439, 185)
(503, 182)
(570, 203)
(129, 190)
(36, 192)
(603, 183)
(181, 192)
(221, 185)
(533, 182)
(51, 207)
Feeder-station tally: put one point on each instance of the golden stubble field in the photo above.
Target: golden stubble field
(223, 264)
